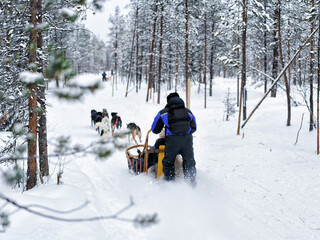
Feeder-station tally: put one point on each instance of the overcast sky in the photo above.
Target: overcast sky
(98, 22)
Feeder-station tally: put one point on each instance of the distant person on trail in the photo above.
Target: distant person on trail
(104, 76)
(179, 123)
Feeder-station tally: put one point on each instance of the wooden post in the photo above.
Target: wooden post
(112, 85)
(188, 94)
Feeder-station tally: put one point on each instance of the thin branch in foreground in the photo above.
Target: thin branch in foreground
(125, 208)
(139, 220)
(54, 210)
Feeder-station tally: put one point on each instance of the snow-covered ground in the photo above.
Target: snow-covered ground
(255, 186)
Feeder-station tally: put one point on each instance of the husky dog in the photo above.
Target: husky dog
(104, 127)
(105, 113)
(93, 116)
(135, 131)
(116, 122)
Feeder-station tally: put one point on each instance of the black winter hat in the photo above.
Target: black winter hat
(171, 95)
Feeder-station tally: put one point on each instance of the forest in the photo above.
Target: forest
(159, 44)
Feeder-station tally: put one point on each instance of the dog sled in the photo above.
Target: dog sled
(138, 158)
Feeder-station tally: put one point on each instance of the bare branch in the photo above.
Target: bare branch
(299, 130)
(96, 218)
(58, 211)
(271, 78)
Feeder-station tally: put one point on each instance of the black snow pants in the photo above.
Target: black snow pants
(179, 144)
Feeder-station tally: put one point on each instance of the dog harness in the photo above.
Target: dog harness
(115, 124)
(133, 126)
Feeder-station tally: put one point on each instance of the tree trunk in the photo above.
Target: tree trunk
(43, 145)
(205, 60)
(8, 37)
(289, 70)
(177, 68)
(32, 127)
(43, 141)
(140, 68)
(187, 50)
(282, 65)
(170, 68)
(243, 70)
(289, 54)
(275, 51)
(238, 77)
(131, 54)
(137, 51)
(265, 64)
(311, 121)
(211, 59)
(160, 52)
(299, 72)
(116, 55)
(318, 88)
(150, 79)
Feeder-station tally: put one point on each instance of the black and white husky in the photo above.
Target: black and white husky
(104, 127)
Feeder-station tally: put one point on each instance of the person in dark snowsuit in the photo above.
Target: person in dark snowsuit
(104, 76)
(180, 124)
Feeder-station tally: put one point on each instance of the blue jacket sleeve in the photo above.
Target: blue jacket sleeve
(193, 123)
(157, 124)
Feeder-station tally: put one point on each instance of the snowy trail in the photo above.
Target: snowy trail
(257, 187)
(109, 185)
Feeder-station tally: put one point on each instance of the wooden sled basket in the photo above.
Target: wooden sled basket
(138, 162)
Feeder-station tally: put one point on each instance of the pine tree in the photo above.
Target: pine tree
(32, 127)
